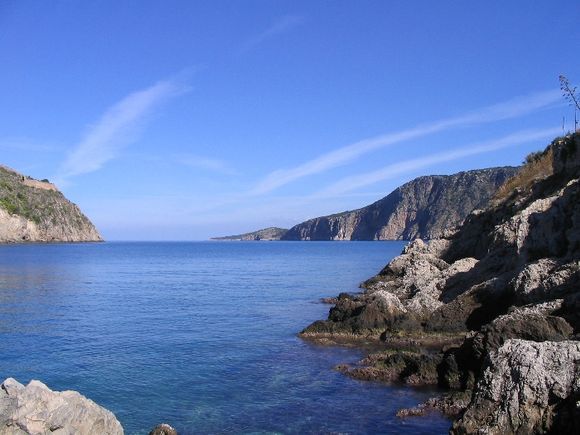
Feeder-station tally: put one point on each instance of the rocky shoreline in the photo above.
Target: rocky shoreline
(489, 313)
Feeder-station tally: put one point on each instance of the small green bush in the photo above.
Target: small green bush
(8, 205)
(533, 157)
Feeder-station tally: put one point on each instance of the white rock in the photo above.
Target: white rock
(36, 410)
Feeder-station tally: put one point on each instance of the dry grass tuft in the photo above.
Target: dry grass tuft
(537, 166)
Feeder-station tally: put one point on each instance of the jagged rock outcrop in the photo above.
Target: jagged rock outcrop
(35, 409)
(271, 233)
(427, 207)
(510, 273)
(36, 211)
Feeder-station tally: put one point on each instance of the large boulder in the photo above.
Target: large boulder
(35, 409)
(527, 388)
(461, 365)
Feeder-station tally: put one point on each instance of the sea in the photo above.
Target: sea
(200, 335)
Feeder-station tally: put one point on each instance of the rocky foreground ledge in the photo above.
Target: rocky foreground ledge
(490, 313)
(35, 409)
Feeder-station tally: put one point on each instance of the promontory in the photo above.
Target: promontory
(36, 211)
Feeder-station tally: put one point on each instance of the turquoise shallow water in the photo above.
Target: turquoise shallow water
(200, 335)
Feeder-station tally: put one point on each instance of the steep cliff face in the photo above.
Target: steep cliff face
(426, 207)
(36, 211)
(501, 299)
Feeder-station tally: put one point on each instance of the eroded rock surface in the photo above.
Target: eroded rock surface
(527, 387)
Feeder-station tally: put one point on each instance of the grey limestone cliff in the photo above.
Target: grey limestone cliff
(36, 211)
(426, 207)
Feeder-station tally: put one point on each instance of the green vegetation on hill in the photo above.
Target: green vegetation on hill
(53, 217)
(31, 203)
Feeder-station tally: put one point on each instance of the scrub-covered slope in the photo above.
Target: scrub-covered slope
(36, 211)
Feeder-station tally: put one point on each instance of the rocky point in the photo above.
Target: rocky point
(489, 312)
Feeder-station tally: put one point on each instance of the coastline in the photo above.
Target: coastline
(489, 314)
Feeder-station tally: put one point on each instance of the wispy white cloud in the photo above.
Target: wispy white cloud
(510, 109)
(280, 26)
(116, 128)
(408, 166)
(206, 164)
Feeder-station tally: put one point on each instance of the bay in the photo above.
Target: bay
(201, 335)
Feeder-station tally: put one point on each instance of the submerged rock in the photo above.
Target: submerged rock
(35, 409)
(407, 366)
(450, 405)
(163, 429)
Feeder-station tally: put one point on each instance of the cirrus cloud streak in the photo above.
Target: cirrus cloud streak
(357, 181)
(116, 128)
(510, 109)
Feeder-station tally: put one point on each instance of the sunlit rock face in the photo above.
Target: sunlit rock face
(35, 409)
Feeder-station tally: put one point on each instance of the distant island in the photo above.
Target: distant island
(267, 234)
(36, 211)
(426, 207)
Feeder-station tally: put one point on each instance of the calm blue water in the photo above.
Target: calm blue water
(199, 335)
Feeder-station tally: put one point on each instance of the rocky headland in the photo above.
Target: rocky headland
(490, 312)
(425, 207)
(36, 211)
(268, 234)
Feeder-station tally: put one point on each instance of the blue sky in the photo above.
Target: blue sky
(179, 120)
